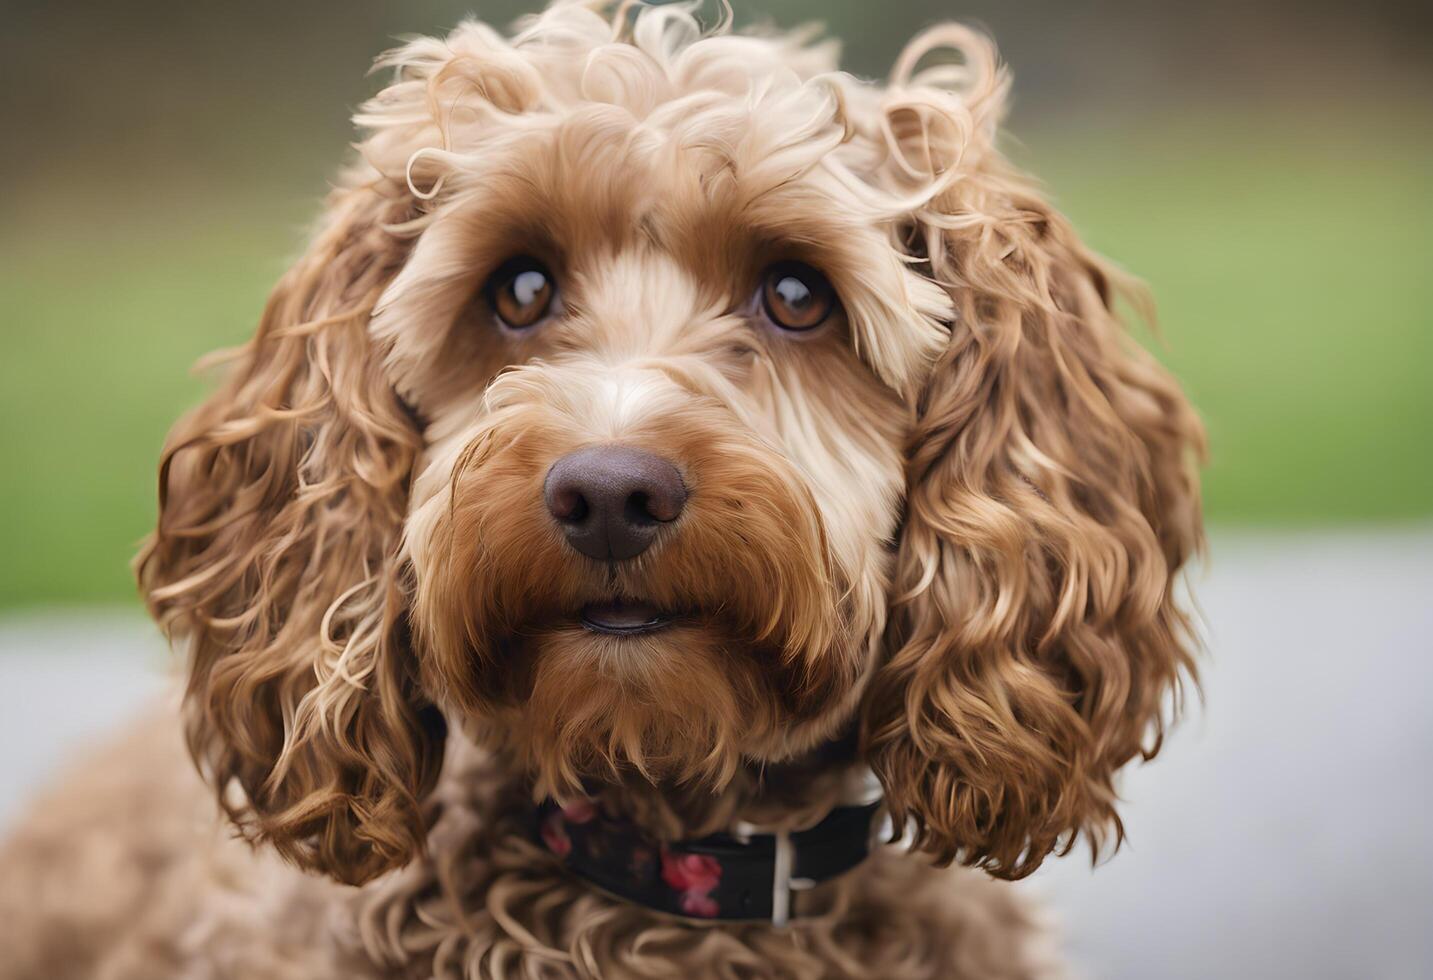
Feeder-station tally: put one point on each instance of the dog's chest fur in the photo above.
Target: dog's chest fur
(184, 899)
(489, 901)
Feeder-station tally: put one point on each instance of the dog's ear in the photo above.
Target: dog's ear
(275, 564)
(1035, 638)
(282, 499)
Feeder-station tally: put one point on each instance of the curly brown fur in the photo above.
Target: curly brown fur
(937, 535)
(1036, 635)
(167, 893)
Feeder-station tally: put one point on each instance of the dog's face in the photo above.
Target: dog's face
(660, 366)
(651, 404)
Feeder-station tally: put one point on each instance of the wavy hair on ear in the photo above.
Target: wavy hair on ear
(276, 560)
(1036, 643)
(274, 564)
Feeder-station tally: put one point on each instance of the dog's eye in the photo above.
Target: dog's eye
(521, 292)
(796, 296)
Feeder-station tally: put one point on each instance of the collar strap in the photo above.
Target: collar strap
(725, 876)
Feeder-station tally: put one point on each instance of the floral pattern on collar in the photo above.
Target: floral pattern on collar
(717, 877)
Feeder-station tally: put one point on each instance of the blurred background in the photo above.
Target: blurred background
(1265, 167)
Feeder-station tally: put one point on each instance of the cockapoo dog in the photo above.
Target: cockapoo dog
(684, 499)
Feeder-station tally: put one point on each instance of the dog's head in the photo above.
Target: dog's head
(652, 403)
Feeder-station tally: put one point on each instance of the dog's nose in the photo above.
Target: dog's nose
(610, 500)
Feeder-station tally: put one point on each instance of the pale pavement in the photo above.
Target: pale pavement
(1282, 833)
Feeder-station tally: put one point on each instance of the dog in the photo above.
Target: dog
(689, 512)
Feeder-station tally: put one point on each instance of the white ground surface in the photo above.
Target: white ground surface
(1283, 833)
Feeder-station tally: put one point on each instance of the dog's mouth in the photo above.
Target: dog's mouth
(623, 617)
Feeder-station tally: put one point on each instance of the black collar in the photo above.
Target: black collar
(724, 876)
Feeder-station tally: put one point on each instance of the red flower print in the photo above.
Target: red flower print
(690, 872)
(695, 876)
(554, 835)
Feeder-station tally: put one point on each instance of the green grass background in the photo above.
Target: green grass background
(1290, 261)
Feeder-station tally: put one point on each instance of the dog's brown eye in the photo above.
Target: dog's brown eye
(521, 292)
(796, 296)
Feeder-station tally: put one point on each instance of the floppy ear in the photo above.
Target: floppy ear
(282, 500)
(1035, 638)
(275, 564)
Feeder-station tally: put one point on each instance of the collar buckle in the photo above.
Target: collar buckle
(724, 876)
(782, 882)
